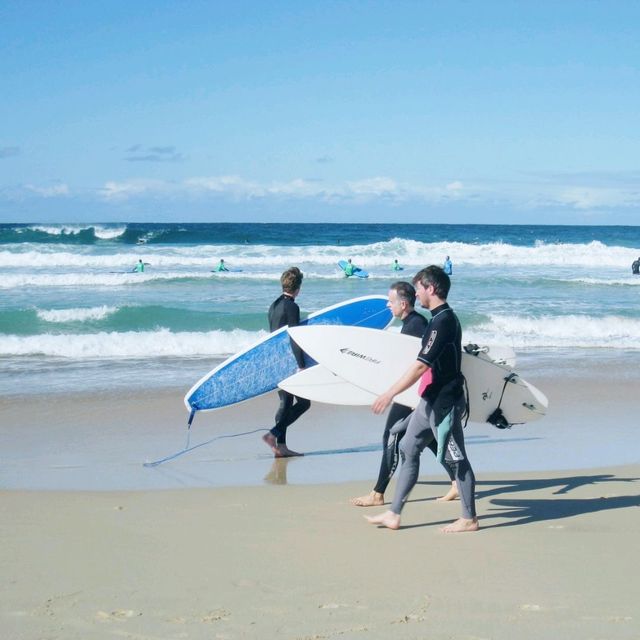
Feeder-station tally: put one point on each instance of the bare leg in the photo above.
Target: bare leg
(387, 519)
(373, 499)
(452, 494)
(462, 525)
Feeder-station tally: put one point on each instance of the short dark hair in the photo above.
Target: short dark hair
(434, 275)
(405, 291)
(291, 280)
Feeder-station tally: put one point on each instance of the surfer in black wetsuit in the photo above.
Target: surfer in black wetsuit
(284, 311)
(635, 267)
(402, 298)
(441, 406)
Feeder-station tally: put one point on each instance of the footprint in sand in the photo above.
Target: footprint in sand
(118, 614)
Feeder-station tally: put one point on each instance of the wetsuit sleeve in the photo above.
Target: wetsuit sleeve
(434, 343)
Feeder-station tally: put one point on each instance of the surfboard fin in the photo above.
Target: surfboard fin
(497, 419)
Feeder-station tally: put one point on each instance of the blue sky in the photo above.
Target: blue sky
(475, 111)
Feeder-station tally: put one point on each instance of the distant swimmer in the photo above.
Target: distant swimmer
(221, 266)
(395, 266)
(139, 268)
(635, 267)
(448, 266)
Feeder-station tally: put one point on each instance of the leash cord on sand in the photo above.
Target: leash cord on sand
(187, 448)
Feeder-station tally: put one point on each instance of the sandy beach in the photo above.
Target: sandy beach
(557, 556)
(225, 542)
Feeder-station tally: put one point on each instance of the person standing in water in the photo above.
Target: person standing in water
(139, 268)
(441, 408)
(349, 268)
(285, 312)
(448, 266)
(395, 266)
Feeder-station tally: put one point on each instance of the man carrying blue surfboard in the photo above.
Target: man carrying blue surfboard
(441, 408)
(285, 312)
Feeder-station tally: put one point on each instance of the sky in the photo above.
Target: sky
(476, 111)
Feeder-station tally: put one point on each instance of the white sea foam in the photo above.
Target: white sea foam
(105, 233)
(409, 252)
(572, 331)
(76, 314)
(131, 344)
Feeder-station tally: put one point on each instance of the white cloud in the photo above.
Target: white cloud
(532, 192)
(55, 191)
(131, 188)
(598, 197)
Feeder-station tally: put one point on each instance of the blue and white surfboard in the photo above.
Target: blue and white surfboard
(357, 271)
(259, 368)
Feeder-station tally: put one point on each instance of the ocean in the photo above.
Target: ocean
(74, 317)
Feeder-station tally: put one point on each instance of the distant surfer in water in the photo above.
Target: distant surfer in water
(395, 266)
(284, 311)
(349, 268)
(221, 266)
(635, 267)
(448, 266)
(139, 268)
(402, 298)
(441, 406)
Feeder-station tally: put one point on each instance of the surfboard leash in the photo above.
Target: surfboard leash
(188, 448)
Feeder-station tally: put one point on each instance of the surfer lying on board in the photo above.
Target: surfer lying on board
(441, 407)
(284, 311)
(402, 298)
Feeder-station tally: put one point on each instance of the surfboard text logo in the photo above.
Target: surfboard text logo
(348, 352)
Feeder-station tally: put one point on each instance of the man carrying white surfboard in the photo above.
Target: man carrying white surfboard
(441, 407)
(284, 311)
(402, 298)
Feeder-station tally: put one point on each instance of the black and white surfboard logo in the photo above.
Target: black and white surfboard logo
(362, 356)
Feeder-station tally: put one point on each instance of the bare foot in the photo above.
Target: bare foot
(452, 494)
(270, 440)
(373, 499)
(282, 451)
(387, 519)
(461, 525)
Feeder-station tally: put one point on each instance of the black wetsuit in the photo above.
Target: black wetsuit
(635, 267)
(284, 311)
(413, 325)
(441, 407)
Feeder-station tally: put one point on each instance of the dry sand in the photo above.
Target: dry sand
(557, 557)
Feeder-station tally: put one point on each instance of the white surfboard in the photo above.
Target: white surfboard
(319, 384)
(373, 360)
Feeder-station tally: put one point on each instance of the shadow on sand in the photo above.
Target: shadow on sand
(525, 511)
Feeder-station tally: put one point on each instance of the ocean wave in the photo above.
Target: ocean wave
(574, 331)
(99, 231)
(410, 253)
(75, 315)
(131, 344)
